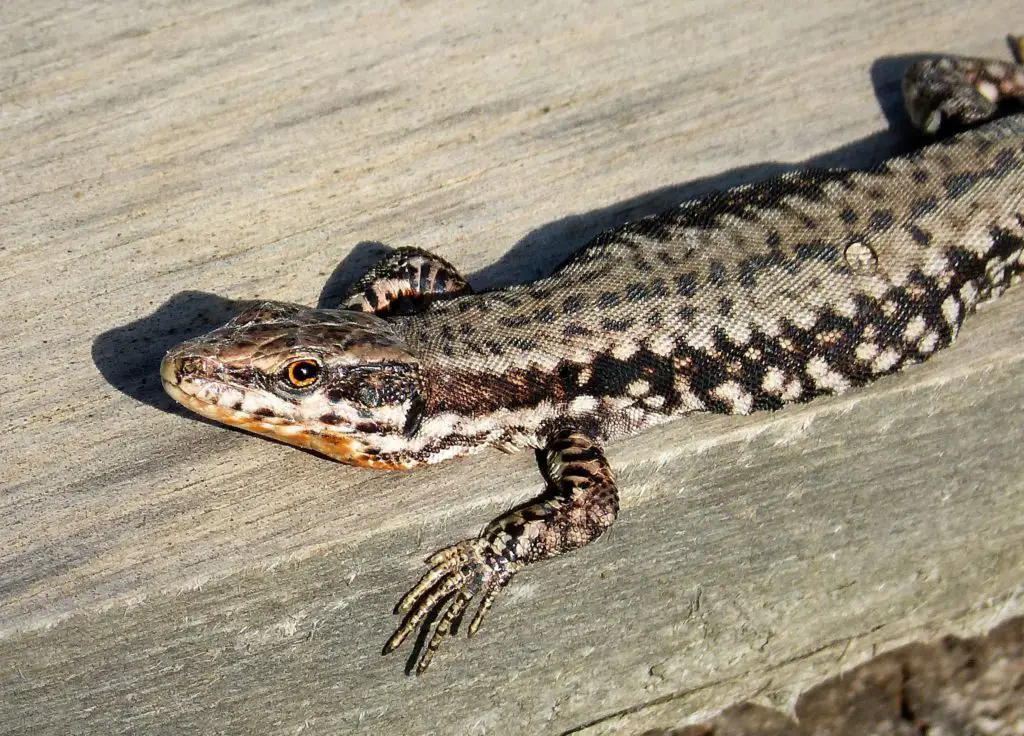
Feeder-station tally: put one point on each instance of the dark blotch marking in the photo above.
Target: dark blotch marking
(523, 343)
(572, 304)
(725, 305)
(617, 325)
(607, 299)
(750, 268)
(716, 273)
(441, 281)
(569, 374)
(816, 251)
(958, 185)
(575, 331)
(686, 284)
(706, 372)
(920, 236)
(966, 267)
(372, 300)
(414, 417)
(480, 393)
(1005, 244)
(921, 207)
(881, 220)
(611, 376)
(544, 315)
(636, 292)
(848, 216)
(659, 227)
(1004, 163)
(520, 320)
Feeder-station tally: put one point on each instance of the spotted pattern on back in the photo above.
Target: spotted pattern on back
(766, 294)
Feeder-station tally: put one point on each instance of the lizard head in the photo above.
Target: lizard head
(338, 382)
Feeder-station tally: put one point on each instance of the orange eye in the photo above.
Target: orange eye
(302, 373)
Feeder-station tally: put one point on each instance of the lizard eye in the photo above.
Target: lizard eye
(302, 373)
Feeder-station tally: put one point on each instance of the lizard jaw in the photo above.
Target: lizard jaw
(332, 441)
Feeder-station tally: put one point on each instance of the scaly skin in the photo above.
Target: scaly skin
(808, 284)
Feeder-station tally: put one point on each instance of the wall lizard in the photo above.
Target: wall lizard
(808, 284)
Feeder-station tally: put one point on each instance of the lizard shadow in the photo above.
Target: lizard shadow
(128, 356)
(539, 252)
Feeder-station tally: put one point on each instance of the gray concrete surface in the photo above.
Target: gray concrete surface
(160, 161)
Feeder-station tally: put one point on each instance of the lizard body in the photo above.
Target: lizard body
(808, 284)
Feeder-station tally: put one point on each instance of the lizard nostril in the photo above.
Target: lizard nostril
(170, 370)
(174, 369)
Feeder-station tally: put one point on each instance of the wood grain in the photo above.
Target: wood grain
(161, 162)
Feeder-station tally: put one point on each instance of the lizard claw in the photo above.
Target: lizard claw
(474, 567)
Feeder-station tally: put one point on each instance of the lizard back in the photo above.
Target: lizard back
(809, 283)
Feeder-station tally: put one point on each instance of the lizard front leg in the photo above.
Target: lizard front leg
(405, 281)
(579, 504)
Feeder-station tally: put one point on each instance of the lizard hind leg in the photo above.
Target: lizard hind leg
(579, 504)
(405, 281)
(961, 90)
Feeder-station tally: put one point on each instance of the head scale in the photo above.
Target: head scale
(339, 382)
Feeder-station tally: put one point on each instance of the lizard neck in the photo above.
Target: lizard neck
(472, 403)
(504, 389)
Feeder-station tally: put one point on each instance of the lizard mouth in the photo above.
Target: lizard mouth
(194, 384)
(183, 380)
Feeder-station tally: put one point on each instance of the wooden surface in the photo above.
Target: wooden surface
(164, 575)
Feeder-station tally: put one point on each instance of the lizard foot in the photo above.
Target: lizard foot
(457, 574)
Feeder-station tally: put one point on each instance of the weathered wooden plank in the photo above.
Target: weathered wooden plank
(162, 575)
